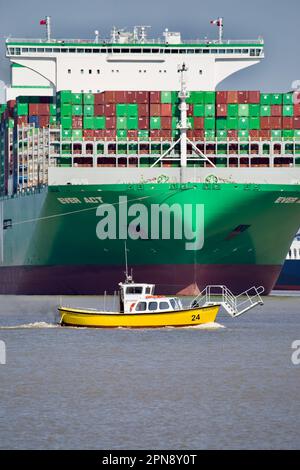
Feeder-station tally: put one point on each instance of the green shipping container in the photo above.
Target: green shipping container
(254, 110)
(65, 110)
(155, 122)
(222, 135)
(99, 122)
(175, 110)
(232, 110)
(121, 109)
(243, 123)
(243, 134)
(210, 110)
(88, 110)
(22, 109)
(221, 124)
(288, 134)
(88, 122)
(174, 97)
(77, 110)
(77, 134)
(276, 134)
(288, 110)
(297, 134)
(122, 134)
(66, 134)
(254, 123)
(288, 98)
(197, 97)
(265, 111)
(52, 109)
(52, 120)
(132, 122)
(122, 122)
(198, 110)
(77, 98)
(209, 124)
(190, 121)
(66, 122)
(175, 134)
(209, 134)
(166, 97)
(209, 97)
(88, 99)
(64, 97)
(243, 110)
(232, 123)
(175, 121)
(143, 134)
(132, 110)
(276, 98)
(265, 98)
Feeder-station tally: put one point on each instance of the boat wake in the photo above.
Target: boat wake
(38, 324)
(206, 326)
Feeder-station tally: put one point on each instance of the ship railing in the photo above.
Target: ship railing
(235, 305)
(147, 41)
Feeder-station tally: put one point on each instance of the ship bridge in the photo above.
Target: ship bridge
(127, 60)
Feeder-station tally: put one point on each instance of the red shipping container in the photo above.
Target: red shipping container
(143, 110)
(221, 110)
(109, 97)
(11, 104)
(232, 97)
(221, 97)
(232, 135)
(109, 110)
(254, 97)
(33, 109)
(21, 120)
(265, 123)
(43, 109)
(76, 122)
(199, 135)
(265, 134)
(132, 134)
(166, 122)
(154, 97)
(130, 96)
(296, 123)
(99, 98)
(276, 122)
(155, 109)
(199, 123)
(166, 134)
(155, 134)
(254, 134)
(120, 96)
(44, 121)
(88, 133)
(99, 109)
(166, 109)
(99, 133)
(110, 122)
(190, 110)
(242, 97)
(287, 122)
(143, 122)
(276, 110)
(142, 97)
(297, 110)
(110, 134)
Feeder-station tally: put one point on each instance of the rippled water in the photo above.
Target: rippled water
(228, 387)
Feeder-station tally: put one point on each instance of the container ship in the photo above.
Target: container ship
(104, 142)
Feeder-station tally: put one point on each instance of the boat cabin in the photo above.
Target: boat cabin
(157, 304)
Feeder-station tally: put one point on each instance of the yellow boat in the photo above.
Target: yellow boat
(140, 308)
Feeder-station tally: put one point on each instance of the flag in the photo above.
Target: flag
(43, 22)
(218, 22)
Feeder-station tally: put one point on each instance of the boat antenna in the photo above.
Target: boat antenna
(128, 277)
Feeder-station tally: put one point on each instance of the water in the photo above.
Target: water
(228, 387)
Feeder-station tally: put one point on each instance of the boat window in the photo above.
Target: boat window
(173, 303)
(152, 306)
(148, 290)
(141, 307)
(164, 306)
(134, 290)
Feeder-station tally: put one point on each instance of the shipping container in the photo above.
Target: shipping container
(287, 123)
(99, 109)
(77, 98)
(209, 123)
(109, 109)
(254, 110)
(232, 134)
(276, 134)
(254, 123)
(143, 110)
(288, 98)
(242, 97)
(209, 110)
(243, 110)
(88, 122)
(64, 110)
(221, 110)
(110, 125)
(66, 122)
(142, 97)
(155, 109)
(276, 110)
(209, 134)
(243, 134)
(166, 110)
(155, 123)
(154, 97)
(196, 97)
(99, 122)
(120, 97)
(190, 110)
(232, 97)
(132, 110)
(52, 109)
(166, 123)
(265, 111)
(77, 122)
(265, 99)
(143, 134)
(243, 123)
(221, 97)
(88, 110)
(130, 96)
(210, 97)
(166, 97)
(122, 122)
(288, 110)
(222, 135)
(232, 110)
(77, 110)
(143, 122)
(22, 109)
(198, 110)
(99, 98)
(77, 134)
(64, 97)
(296, 122)
(121, 109)
(199, 122)
(221, 124)
(297, 110)
(254, 97)
(109, 98)
(276, 98)
(66, 134)
(121, 134)
(132, 122)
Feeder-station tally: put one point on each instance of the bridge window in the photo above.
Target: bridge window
(90, 71)
(155, 51)
(252, 52)
(88, 51)
(238, 51)
(96, 51)
(206, 51)
(174, 51)
(48, 49)
(24, 49)
(257, 52)
(98, 71)
(69, 70)
(134, 290)
(72, 50)
(198, 51)
(230, 51)
(56, 49)
(245, 51)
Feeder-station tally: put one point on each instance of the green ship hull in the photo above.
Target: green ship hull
(70, 239)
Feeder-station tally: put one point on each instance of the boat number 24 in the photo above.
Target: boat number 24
(196, 317)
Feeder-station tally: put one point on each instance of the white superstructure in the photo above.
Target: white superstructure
(127, 61)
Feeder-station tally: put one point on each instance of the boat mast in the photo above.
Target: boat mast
(183, 125)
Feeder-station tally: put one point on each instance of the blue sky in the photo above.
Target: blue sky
(276, 21)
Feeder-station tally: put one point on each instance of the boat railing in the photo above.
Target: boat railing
(235, 305)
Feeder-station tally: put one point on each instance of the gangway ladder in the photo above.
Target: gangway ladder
(234, 305)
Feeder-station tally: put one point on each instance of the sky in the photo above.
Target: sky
(277, 21)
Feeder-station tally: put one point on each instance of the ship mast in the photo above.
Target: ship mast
(183, 125)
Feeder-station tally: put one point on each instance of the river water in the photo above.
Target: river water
(233, 386)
